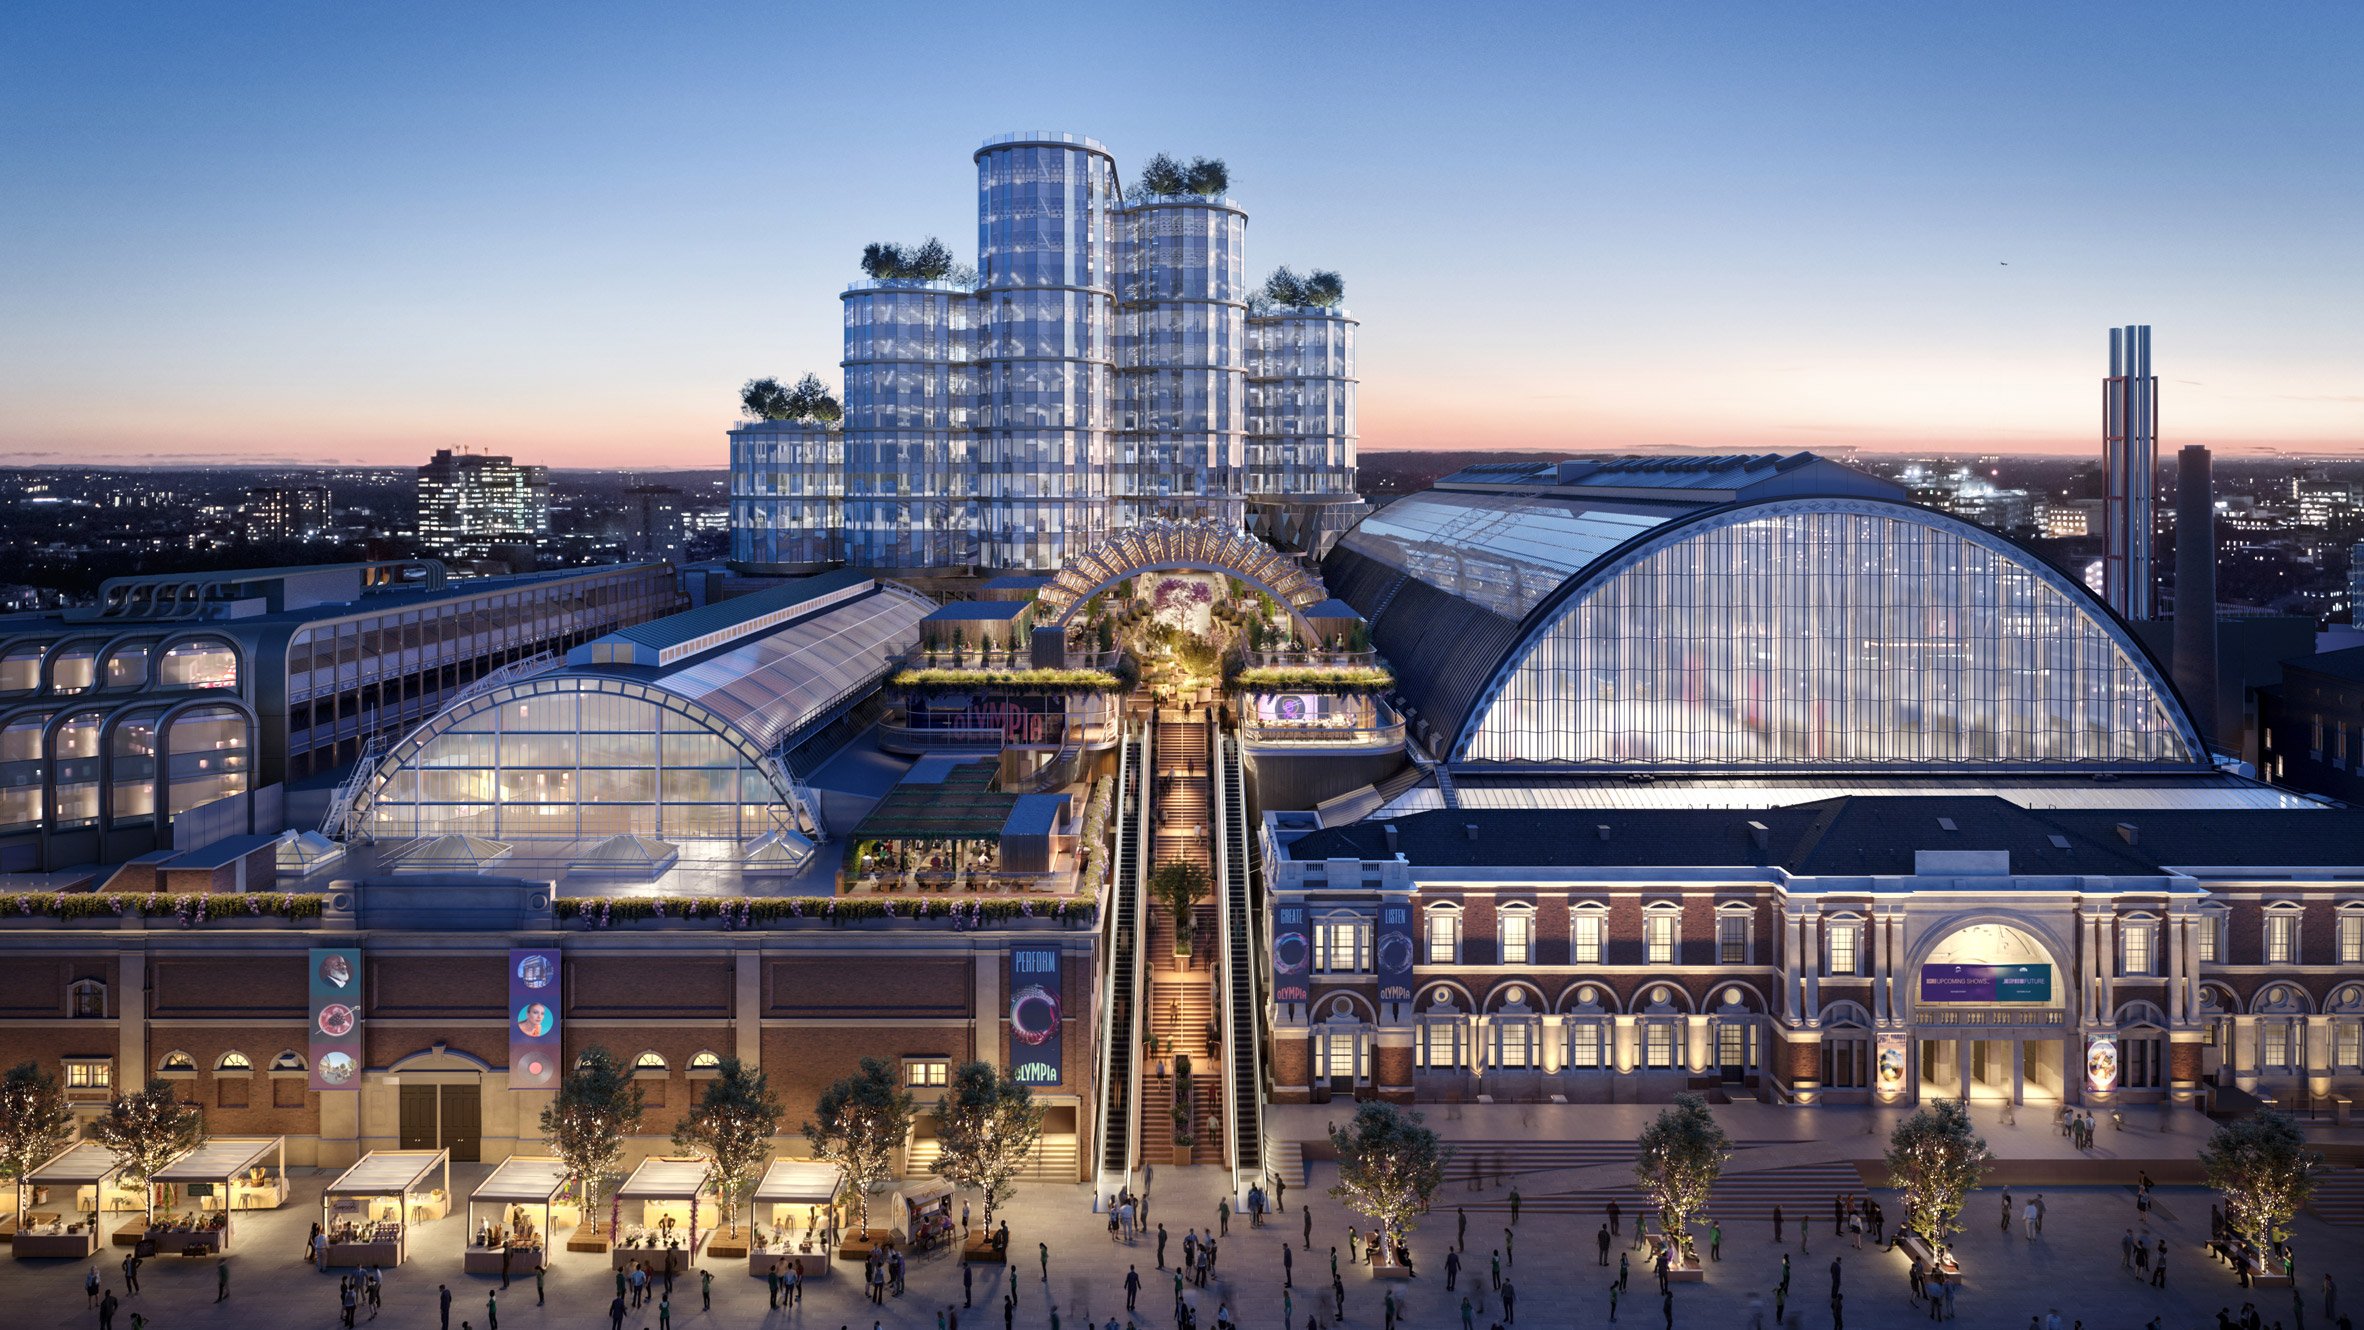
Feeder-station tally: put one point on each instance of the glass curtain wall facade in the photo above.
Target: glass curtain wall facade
(1183, 383)
(1300, 464)
(1828, 634)
(787, 496)
(909, 491)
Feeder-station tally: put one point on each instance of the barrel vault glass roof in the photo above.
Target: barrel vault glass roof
(1506, 552)
(770, 685)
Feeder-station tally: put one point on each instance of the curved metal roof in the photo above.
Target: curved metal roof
(770, 686)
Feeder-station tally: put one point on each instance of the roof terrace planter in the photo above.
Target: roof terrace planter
(957, 679)
(638, 913)
(115, 909)
(1315, 679)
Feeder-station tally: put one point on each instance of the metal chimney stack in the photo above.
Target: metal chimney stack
(2129, 449)
(2195, 586)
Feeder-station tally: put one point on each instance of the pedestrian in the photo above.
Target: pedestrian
(2027, 1221)
(443, 1305)
(1460, 1227)
(1453, 1270)
(1855, 1229)
(1510, 1251)
(90, 1288)
(1288, 1271)
(1044, 1249)
(1161, 1246)
(615, 1314)
(1601, 1241)
(1132, 1287)
(131, 1272)
(221, 1278)
(1613, 1291)
(1496, 1281)
(968, 1284)
(1510, 1303)
(492, 1309)
(2159, 1266)
(1776, 1232)
(705, 1289)
(539, 1299)
(1614, 1229)
(664, 1313)
(2006, 1214)
(1223, 1216)
(2126, 1251)
(1307, 1212)
(1951, 1287)
(772, 1279)
(1715, 1239)
(1624, 1268)
(106, 1309)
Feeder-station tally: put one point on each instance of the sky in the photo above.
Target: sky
(360, 232)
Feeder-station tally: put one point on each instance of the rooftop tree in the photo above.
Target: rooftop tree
(858, 1123)
(147, 1129)
(928, 261)
(809, 400)
(1206, 175)
(1389, 1165)
(1164, 177)
(1679, 1157)
(596, 1106)
(34, 1123)
(1319, 289)
(731, 1127)
(988, 1126)
(1935, 1161)
(2262, 1166)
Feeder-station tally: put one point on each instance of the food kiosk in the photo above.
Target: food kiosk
(81, 1172)
(219, 1177)
(368, 1211)
(795, 1218)
(659, 1208)
(921, 1213)
(512, 1216)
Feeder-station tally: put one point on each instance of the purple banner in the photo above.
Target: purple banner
(534, 1056)
(1036, 1023)
(1396, 952)
(1292, 952)
(1986, 983)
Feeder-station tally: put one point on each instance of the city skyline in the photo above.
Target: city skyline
(1717, 230)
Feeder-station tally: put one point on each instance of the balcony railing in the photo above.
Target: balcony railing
(1388, 735)
(1989, 1016)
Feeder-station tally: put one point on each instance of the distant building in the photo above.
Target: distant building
(2072, 520)
(182, 689)
(286, 512)
(655, 524)
(2356, 583)
(2130, 443)
(2322, 502)
(2312, 725)
(476, 505)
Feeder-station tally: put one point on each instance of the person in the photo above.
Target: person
(968, 1284)
(1460, 1227)
(1044, 1250)
(1289, 1271)
(90, 1288)
(1280, 1196)
(1307, 1212)
(2027, 1221)
(1776, 1232)
(221, 1278)
(2159, 1266)
(1855, 1228)
(1132, 1287)
(1613, 1290)
(796, 1282)
(106, 1309)
(1223, 1216)
(1952, 1286)
(2126, 1251)
(1496, 1281)
(1614, 1229)
(1510, 1302)
(772, 1280)
(2006, 1214)
(1624, 1268)
(1915, 1279)
(2040, 1209)
(443, 1305)
(1161, 1246)
(492, 1309)
(1715, 1239)
(131, 1272)
(2330, 1292)
(1601, 1241)
(1453, 1270)
(615, 1314)
(664, 1313)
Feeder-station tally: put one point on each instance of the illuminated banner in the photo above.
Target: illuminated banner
(2101, 1064)
(1395, 953)
(1287, 708)
(1986, 983)
(1034, 1015)
(336, 1018)
(1291, 952)
(1888, 1065)
(533, 1019)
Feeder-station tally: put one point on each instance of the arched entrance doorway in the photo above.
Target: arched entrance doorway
(1172, 546)
(1990, 1016)
(437, 1098)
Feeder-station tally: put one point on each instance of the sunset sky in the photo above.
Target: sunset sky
(359, 232)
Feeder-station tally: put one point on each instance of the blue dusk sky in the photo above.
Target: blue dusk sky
(361, 231)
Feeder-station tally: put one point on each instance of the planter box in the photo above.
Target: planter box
(817, 1264)
(728, 1242)
(1913, 1246)
(1183, 1155)
(981, 1252)
(1389, 1270)
(588, 1242)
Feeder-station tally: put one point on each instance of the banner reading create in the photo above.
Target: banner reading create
(1290, 953)
(336, 1018)
(533, 1018)
(1986, 983)
(1035, 1040)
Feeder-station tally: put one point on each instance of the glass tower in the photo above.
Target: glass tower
(1300, 445)
(1182, 389)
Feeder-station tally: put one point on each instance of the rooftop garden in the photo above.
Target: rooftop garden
(595, 912)
(1017, 679)
(1163, 177)
(809, 401)
(1314, 679)
(185, 909)
(928, 261)
(1319, 289)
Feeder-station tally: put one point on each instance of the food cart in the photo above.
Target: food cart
(367, 1212)
(512, 1216)
(663, 1233)
(921, 1213)
(219, 1177)
(61, 1230)
(795, 1216)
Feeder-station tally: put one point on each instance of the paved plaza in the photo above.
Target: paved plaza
(1788, 1157)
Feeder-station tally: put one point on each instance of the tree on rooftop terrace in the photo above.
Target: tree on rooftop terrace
(1206, 175)
(1285, 287)
(1163, 176)
(810, 400)
(1324, 289)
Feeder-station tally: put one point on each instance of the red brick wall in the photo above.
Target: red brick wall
(650, 986)
(262, 985)
(443, 985)
(873, 984)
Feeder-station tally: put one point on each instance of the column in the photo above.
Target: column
(1792, 974)
(1810, 958)
(2106, 968)
(1701, 1047)
(2317, 1059)
(2019, 1073)
(1877, 925)
(131, 1018)
(1627, 1054)
(1553, 1031)
(2191, 966)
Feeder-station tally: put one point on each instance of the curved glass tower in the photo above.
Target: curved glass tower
(910, 494)
(1182, 385)
(1046, 316)
(1300, 444)
(787, 482)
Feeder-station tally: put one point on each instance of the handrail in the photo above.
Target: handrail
(1112, 917)
(1220, 815)
(1146, 831)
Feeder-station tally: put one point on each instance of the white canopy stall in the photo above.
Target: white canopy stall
(664, 1233)
(795, 1214)
(368, 1211)
(223, 1175)
(921, 1212)
(502, 1233)
(66, 1231)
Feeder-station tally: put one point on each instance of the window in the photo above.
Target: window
(86, 998)
(1440, 1043)
(2134, 944)
(1515, 1042)
(2211, 934)
(2347, 1044)
(2351, 937)
(1585, 945)
(1732, 939)
(1587, 1049)
(1444, 936)
(2273, 1041)
(1658, 1045)
(1843, 958)
(1342, 945)
(1732, 1044)
(705, 1065)
(90, 1073)
(289, 1062)
(2281, 936)
(927, 1073)
(1658, 937)
(649, 1063)
(1518, 935)
(234, 1063)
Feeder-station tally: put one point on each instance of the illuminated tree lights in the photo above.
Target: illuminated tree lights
(146, 1130)
(1935, 1161)
(2262, 1166)
(586, 1122)
(1679, 1157)
(987, 1126)
(731, 1128)
(1389, 1165)
(858, 1123)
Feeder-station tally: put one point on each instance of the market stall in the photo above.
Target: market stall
(658, 1211)
(69, 1226)
(921, 1212)
(795, 1218)
(512, 1216)
(368, 1211)
(217, 1178)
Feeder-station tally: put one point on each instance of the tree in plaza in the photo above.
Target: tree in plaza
(147, 1129)
(1389, 1165)
(987, 1125)
(1935, 1161)
(1679, 1157)
(857, 1125)
(2262, 1166)
(585, 1125)
(34, 1123)
(731, 1128)
(1180, 885)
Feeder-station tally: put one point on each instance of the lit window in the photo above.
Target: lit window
(177, 1063)
(705, 1062)
(2211, 925)
(1587, 941)
(2347, 1041)
(1444, 937)
(2138, 949)
(89, 1073)
(1585, 1045)
(86, 998)
(2351, 937)
(1516, 1039)
(2274, 1043)
(1338, 1055)
(1342, 946)
(647, 1063)
(1658, 937)
(1842, 949)
(234, 1061)
(1440, 1043)
(2281, 937)
(1732, 940)
(1518, 931)
(1658, 1045)
(927, 1073)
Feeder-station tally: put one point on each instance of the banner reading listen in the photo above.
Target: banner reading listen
(533, 1018)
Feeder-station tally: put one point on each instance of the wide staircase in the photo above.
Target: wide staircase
(2339, 1197)
(1054, 1159)
(1181, 994)
(1119, 1073)
(1235, 897)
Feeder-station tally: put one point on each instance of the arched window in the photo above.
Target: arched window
(20, 668)
(1516, 1031)
(20, 773)
(2282, 919)
(233, 1080)
(127, 667)
(1662, 1029)
(289, 1060)
(1733, 1032)
(176, 1066)
(649, 1062)
(1341, 1046)
(2142, 1046)
(86, 998)
(1662, 933)
(131, 768)
(1444, 1044)
(234, 1063)
(706, 1064)
(205, 663)
(74, 669)
(1443, 922)
(650, 1071)
(74, 756)
(1588, 1026)
(2280, 1013)
(208, 755)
